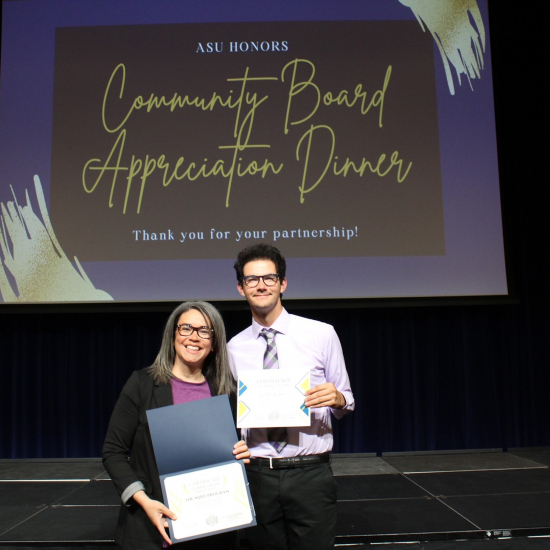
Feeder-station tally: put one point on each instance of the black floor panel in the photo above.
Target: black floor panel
(456, 462)
(69, 546)
(35, 493)
(93, 493)
(538, 457)
(418, 515)
(13, 514)
(511, 544)
(54, 469)
(484, 483)
(517, 511)
(81, 523)
(382, 486)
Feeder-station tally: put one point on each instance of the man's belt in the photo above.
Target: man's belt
(291, 462)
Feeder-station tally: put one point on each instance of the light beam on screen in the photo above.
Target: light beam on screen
(35, 259)
(458, 41)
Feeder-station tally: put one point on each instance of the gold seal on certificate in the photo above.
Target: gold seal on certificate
(270, 398)
(209, 500)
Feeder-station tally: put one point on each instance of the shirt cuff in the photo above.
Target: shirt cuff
(348, 406)
(130, 491)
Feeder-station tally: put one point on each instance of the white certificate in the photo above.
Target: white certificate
(271, 398)
(208, 501)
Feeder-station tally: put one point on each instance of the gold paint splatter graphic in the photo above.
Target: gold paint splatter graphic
(458, 31)
(32, 254)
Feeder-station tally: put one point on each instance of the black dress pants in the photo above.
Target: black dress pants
(295, 508)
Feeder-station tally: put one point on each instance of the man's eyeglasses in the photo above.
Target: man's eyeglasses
(186, 330)
(269, 280)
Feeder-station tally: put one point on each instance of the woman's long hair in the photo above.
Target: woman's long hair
(216, 366)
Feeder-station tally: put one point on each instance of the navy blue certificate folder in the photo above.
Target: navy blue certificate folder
(192, 435)
(193, 439)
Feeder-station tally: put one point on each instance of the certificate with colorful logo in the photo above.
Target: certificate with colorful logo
(270, 398)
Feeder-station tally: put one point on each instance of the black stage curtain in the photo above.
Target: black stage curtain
(424, 378)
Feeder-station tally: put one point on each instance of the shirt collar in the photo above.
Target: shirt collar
(280, 324)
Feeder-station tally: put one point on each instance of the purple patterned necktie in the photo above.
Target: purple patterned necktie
(276, 436)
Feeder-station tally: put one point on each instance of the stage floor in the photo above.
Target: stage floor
(439, 501)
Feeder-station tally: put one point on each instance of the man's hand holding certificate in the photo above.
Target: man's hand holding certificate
(270, 398)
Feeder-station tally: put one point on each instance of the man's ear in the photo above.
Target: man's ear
(240, 289)
(283, 285)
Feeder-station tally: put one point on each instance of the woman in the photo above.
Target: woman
(192, 364)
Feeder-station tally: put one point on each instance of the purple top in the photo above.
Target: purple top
(184, 392)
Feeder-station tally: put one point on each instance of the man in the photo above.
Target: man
(291, 481)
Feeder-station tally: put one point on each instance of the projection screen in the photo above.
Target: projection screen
(143, 144)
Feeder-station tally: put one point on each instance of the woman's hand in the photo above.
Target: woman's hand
(241, 452)
(156, 512)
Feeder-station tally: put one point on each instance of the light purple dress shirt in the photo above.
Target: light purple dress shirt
(300, 342)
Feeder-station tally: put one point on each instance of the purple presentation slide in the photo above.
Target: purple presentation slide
(144, 143)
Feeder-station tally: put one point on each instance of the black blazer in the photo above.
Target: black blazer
(128, 436)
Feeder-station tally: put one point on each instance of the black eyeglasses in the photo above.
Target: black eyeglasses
(253, 280)
(186, 330)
